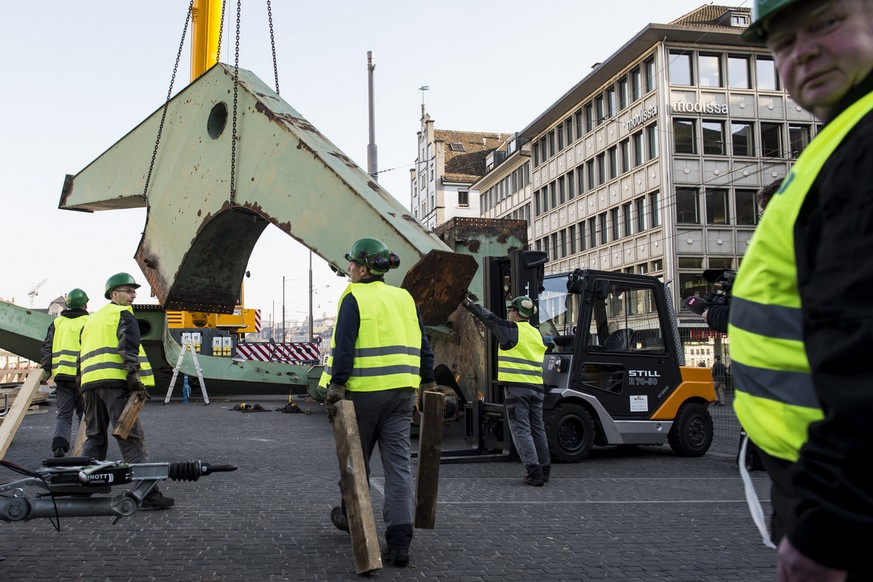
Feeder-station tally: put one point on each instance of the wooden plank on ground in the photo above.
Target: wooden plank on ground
(19, 407)
(128, 416)
(355, 489)
(81, 435)
(430, 441)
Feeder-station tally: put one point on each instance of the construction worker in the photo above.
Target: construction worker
(800, 322)
(59, 352)
(112, 364)
(520, 371)
(379, 356)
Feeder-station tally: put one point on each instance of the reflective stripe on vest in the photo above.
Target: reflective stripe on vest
(388, 347)
(776, 399)
(65, 345)
(523, 364)
(99, 358)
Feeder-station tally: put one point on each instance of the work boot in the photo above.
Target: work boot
(156, 500)
(395, 555)
(547, 470)
(534, 475)
(59, 452)
(60, 446)
(340, 521)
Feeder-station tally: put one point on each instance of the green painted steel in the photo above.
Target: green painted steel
(22, 330)
(199, 233)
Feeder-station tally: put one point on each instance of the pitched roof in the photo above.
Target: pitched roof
(711, 15)
(465, 152)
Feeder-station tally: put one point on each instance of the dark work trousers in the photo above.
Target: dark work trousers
(69, 401)
(103, 406)
(524, 409)
(385, 417)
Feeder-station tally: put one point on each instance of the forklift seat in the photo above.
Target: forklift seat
(620, 340)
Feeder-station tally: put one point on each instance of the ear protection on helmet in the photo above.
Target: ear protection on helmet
(381, 263)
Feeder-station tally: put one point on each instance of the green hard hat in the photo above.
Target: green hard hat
(524, 305)
(762, 10)
(117, 280)
(373, 253)
(76, 299)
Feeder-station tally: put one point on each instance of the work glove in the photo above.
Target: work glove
(335, 393)
(425, 386)
(46, 374)
(135, 384)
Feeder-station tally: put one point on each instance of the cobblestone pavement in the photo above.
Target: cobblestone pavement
(625, 514)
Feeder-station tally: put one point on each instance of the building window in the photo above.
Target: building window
(604, 229)
(637, 140)
(546, 245)
(560, 132)
(739, 20)
(598, 110)
(568, 131)
(456, 147)
(743, 139)
(561, 194)
(765, 75)
(636, 85)
(747, 207)
(601, 168)
(680, 68)
(536, 197)
(610, 102)
(738, 72)
(571, 234)
(716, 206)
(613, 217)
(798, 138)
(652, 140)
(536, 154)
(578, 118)
(589, 169)
(592, 232)
(551, 143)
(650, 74)
(713, 137)
(622, 93)
(570, 190)
(463, 198)
(580, 183)
(687, 206)
(627, 219)
(581, 235)
(654, 209)
(612, 155)
(624, 149)
(684, 138)
(589, 117)
(709, 70)
(771, 140)
(641, 214)
(563, 243)
(553, 195)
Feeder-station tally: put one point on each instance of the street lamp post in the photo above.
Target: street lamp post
(283, 308)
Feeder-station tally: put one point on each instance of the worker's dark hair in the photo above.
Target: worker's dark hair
(766, 193)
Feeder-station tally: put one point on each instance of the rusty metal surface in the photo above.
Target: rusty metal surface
(199, 235)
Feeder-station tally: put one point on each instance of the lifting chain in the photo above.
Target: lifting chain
(235, 100)
(273, 46)
(167, 102)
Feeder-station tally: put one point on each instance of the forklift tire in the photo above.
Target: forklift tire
(570, 432)
(691, 433)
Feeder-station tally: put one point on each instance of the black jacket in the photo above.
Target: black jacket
(831, 519)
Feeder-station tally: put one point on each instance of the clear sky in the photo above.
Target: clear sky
(79, 75)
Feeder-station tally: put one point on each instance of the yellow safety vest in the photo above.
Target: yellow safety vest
(65, 345)
(522, 364)
(776, 400)
(388, 347)
(99, 358)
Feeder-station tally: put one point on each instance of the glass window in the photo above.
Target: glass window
(747, 208)
(680, 68)
(551, 143)
(604, 229)
(589, 117)
(766, 73)
(650, 74)
(627, 320)
(598, 110)
(560, 131)
(695, 263)
(571, 234)
(622, 93)
(581, 235)
(612, 157)
(716, 206)
(743, 139)
(713, 137)
(592, 232)
(589, 169)
(771, 140)
(641, 214)
(611, 104)
(624, 154)
(627, 219)
(738, 72)
(580, 183)
(721, 263)
(637, 140)
(568, 131)
(536, 154)
(654, 209)
(652, 140)
(578, 119)
(709, 70)
(798, 138)
(562, 197)
(684, 138)
(553, 195)
(635, 84)
(601, 168)
(571, 191)
(693, 284)
(613, 218)
(687, 206)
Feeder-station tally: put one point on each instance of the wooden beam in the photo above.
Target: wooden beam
(128, 416)
(19, 407)
(430, 440)
(81, 435)
(356, 489)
